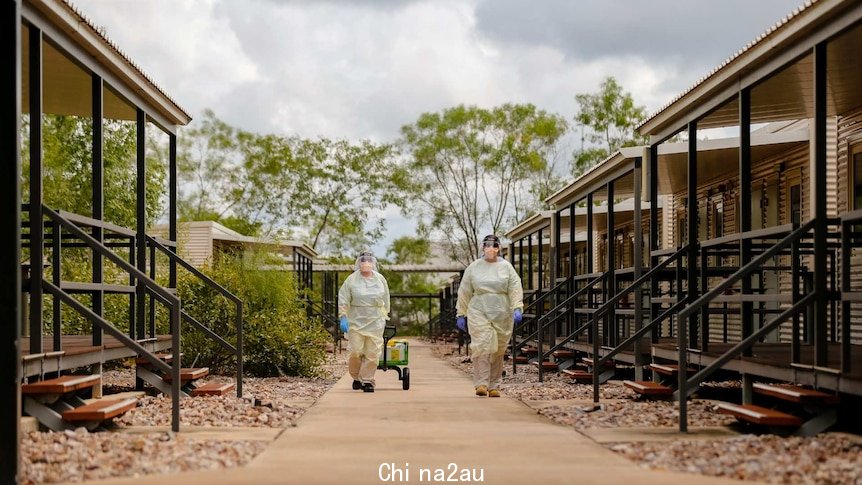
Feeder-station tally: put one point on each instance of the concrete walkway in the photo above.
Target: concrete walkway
(393, 435)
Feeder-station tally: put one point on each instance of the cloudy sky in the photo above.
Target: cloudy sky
(364, 68)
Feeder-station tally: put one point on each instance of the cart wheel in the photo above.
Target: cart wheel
(405, 378)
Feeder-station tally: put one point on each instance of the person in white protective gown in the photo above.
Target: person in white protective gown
(490, 301)
(363, 308)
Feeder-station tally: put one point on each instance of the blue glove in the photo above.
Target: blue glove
(343, 323)
(461, 323)
(518, 316)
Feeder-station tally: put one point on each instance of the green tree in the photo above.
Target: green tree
(410, 313)
(270, 185)
(607, 119)
(67, 171)
(474, 169)
(353, 182)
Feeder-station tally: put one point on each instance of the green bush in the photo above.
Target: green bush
(278, 337)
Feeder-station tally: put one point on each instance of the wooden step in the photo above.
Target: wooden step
(607, 365)
(669, 369)
(548, 365)
(214, 389)
(100, 410)
(648, 388)
(564, 354)
(793, 393)
(579, 375)
(759, 415)
(166, 358)
(61, 385)
(522, 360)
(189, 374)
(529, 350)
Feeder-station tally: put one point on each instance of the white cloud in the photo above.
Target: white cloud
(348, 69)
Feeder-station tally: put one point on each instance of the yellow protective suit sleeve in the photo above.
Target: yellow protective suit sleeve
(465, 292)
(345, 296)
(516, 291)
(386, 303)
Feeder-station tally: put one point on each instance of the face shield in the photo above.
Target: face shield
(490, 247)
(366, 262)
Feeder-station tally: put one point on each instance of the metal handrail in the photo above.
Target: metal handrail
(746, 270)
(556, 309)
(143, 279)
(683, 392)
(638, 282)
(546, 294)
(693, 384)
(598, 361)
(556, 314)
(238, 303)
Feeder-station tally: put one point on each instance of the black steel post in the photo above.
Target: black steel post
(746, 309)
(570, 287)
(10, 243)
(610, 331)
(846, 251)
(540, 257)
(638, 266)
(37, 232)
(172, 206)
(655, 308)
(141, 193)
(56, 272)
(530, 263)
(590, 237)
(590, 266)
(691, 280)
(98, 193)
(821, 271)
(521, 259)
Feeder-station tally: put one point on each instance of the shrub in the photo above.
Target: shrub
(278, 337)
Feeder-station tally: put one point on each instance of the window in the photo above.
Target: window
(796, 204)
(857, 176)
(717, 216)
(794, 196)
(681, 223)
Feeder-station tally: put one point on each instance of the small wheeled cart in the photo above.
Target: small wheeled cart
(395, 356)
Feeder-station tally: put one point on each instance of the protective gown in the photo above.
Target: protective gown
(488, 295)
(365, 302)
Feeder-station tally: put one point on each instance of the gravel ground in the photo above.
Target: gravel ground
(73, 456)
(829, 458)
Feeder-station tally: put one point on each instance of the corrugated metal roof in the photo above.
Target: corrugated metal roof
(764, 37)
(100, 33)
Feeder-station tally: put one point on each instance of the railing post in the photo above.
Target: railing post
(56, 276)
(846, 233)
(152, 332)
(132, 282)
(239, 349)
(176, 366)
(795, 275)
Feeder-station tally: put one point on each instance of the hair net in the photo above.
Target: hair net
(366, 257)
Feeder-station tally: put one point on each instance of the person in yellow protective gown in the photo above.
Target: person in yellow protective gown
(363, 308)
(490, 301)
